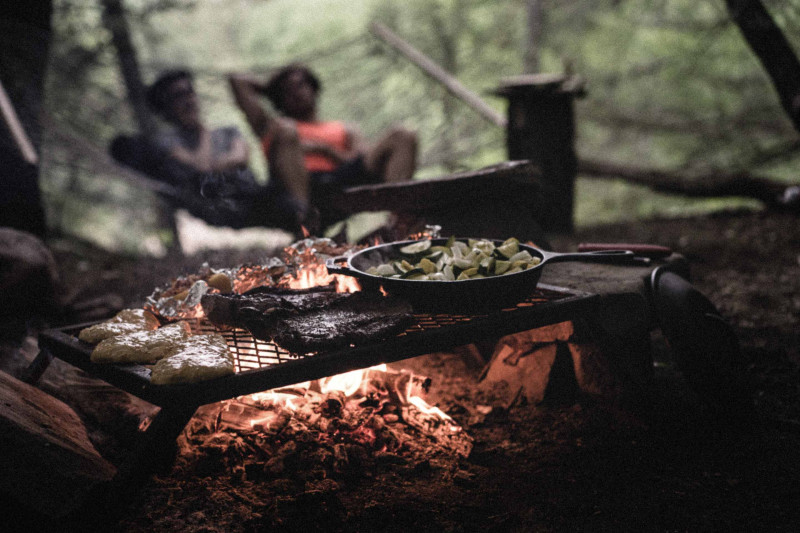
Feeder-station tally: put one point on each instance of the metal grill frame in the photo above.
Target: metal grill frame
(262, 365)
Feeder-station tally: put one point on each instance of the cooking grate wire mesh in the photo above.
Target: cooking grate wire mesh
(250, 353)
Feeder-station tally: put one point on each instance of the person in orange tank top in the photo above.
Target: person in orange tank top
(306, 155)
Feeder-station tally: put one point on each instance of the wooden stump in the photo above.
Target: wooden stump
(48, 463)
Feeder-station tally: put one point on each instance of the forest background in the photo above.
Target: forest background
(670, 85)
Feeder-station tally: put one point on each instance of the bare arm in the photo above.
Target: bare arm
(246, 93)
(199, 158)
(237, 157)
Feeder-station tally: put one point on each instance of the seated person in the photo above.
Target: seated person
(189, 141)
(207, 167)
(306, 155)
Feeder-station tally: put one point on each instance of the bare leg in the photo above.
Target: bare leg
(394, 157)
(286, 161)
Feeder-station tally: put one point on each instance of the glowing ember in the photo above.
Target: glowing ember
(354, 407)
(430, 232)
(420, 404)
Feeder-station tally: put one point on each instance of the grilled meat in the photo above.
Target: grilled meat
(263, 305)
(360, 318)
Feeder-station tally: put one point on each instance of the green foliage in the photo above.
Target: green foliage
(671, 84)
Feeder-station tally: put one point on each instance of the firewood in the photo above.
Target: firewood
(47, 460)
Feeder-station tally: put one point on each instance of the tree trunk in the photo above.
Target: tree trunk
(772, 49)
(447, 42)
(24, 46)
(533, 36)
(114, 20)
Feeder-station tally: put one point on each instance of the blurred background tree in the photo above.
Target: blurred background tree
(671, 84)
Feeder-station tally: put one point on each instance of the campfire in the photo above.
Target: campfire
(329, 425)
(292, 427)
(341, 425)
(296, 421)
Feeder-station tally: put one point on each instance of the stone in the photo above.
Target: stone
(29, 278)
(550, 364)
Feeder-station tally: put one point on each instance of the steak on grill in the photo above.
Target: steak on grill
(263, 305)
(360, 318)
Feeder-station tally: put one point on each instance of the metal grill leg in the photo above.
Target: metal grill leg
(155, 448)
(37, 367)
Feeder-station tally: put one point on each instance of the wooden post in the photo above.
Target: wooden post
(541, 129)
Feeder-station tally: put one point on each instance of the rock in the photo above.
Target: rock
(48, 463)
(28, 277)
(524, 361)
(549, 364)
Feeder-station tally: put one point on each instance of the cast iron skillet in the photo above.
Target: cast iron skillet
(454, 296)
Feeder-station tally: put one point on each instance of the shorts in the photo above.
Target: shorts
(349, 174)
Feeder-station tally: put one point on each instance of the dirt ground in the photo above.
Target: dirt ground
(670, 463)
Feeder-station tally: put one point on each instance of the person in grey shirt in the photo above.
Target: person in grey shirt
(189, 141)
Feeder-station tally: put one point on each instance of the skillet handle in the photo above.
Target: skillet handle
(331, 264)
(600, 256)
(653, 251)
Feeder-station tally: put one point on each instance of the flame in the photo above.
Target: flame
(251, 276)
(427, 409)
(422, 235)
(350, 383)
(430, 232)
(311, 272)
(351, 386)
(316, 275)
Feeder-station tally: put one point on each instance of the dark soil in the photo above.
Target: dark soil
(670, 463)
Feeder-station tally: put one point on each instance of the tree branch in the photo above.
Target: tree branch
(771, 47)
(704, 185)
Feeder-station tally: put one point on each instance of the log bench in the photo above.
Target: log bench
(492, 202)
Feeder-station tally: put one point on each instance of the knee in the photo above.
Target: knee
(403, 137)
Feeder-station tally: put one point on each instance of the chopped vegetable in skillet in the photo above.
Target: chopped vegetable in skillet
(456, 260)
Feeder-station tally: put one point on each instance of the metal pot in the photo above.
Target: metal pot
(454, 296)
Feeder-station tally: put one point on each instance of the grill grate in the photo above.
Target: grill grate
(251, 354)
